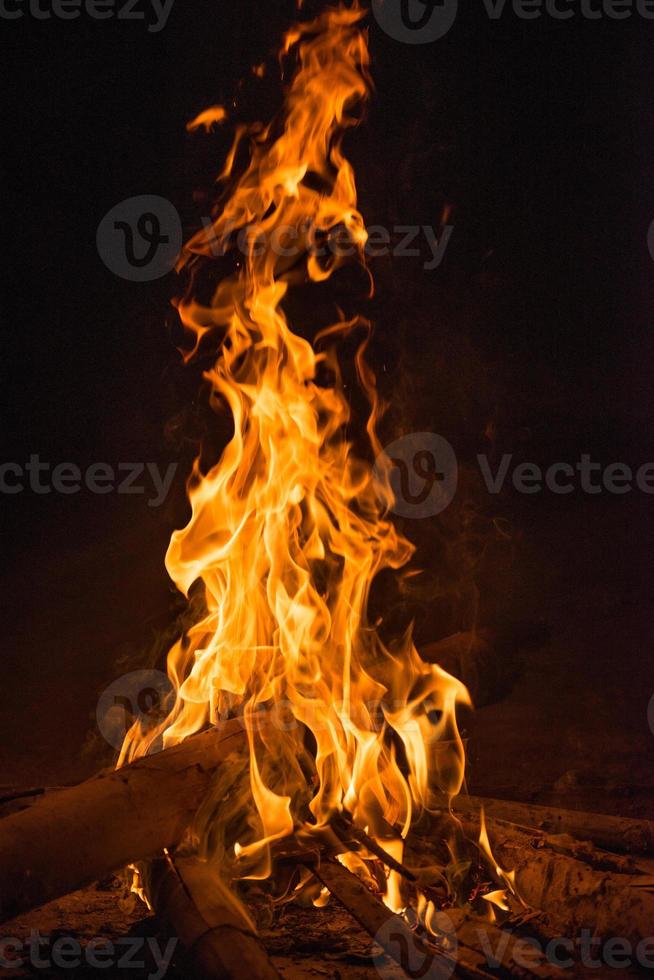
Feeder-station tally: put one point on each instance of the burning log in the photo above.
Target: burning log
(220, 938)
(389, 930)
(474, 936)
(620, 834)
(574, 894)
(69, 839)
(568, 889)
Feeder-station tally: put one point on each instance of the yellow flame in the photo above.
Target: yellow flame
(290, 528)
(499, 897)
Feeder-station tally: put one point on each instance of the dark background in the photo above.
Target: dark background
(533, 337)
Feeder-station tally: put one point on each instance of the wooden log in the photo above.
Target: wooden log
(503, 952)
(475, 937)
(70, 839)
(597, 858)
(220, 938)
(574, 895)
(9, 794)
(620, 834)
(16, 799)
(580, 897)
(388, 930)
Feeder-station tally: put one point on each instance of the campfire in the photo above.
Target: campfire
(304, 756)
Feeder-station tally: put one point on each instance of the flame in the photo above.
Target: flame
(500, 897)
(207, 119)
(290, 528)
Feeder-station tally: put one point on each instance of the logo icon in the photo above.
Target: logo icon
(415, 21)
(416, 958)
(140, 239)
(139, 696)
(423, 473)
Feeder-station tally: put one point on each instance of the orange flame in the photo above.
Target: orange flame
(208, 119)
(290, 528)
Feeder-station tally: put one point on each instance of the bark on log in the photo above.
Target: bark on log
(620, 834)
(70, 839)
(221, 940)
(575, 893)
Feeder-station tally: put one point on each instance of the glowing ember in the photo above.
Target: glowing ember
(290, 528)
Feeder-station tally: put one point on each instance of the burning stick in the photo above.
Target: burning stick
(220, 938)
(355, 838)
(415, 956)
(71, 838)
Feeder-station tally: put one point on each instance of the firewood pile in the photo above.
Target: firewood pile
(585, 881)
